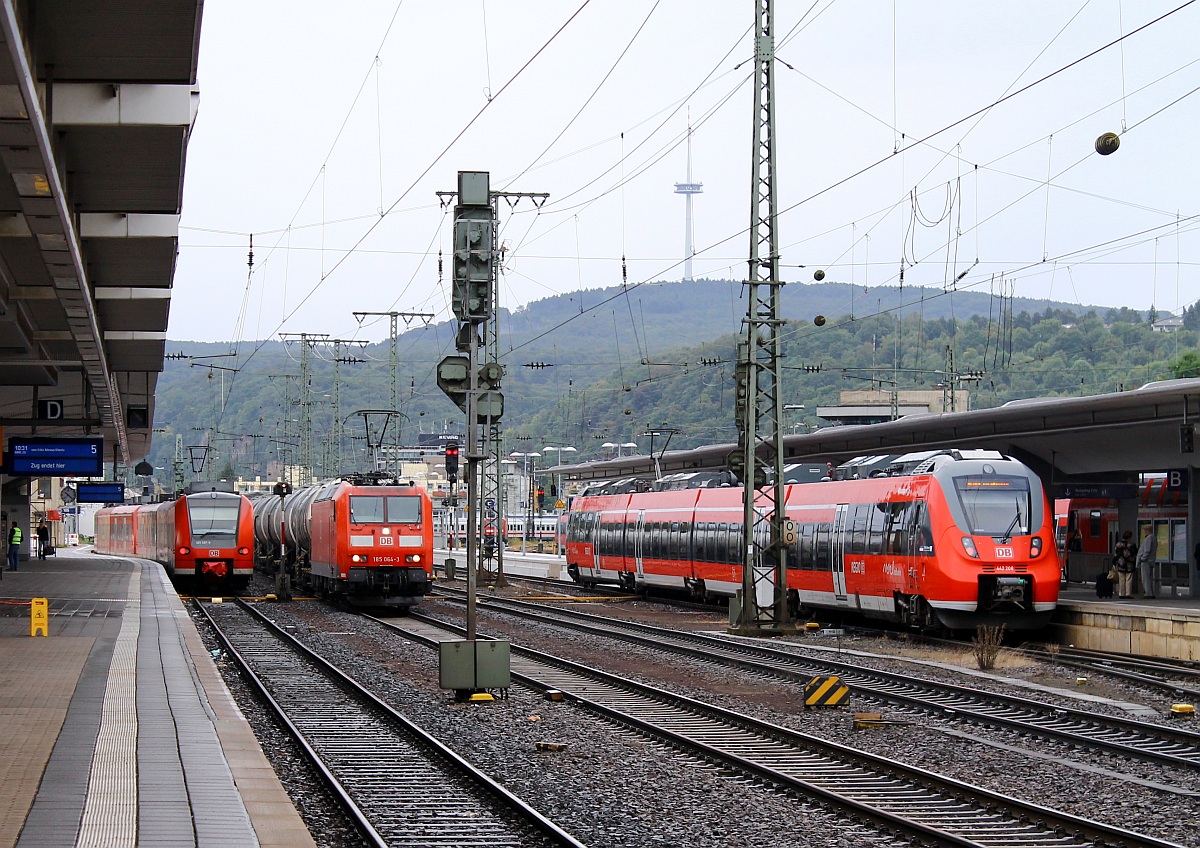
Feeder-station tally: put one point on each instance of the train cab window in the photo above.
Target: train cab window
(213, 519)
(403, 509)
(995, 504)
(366, 509)
(1094, 523)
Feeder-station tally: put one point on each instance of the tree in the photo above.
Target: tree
(1187, 365)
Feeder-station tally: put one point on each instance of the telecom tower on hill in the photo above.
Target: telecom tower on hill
(687, 190)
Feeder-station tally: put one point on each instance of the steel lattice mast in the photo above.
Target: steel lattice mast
(758, 460)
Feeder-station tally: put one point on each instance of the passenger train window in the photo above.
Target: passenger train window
(821, 555)
(877, 530)
(858, 529)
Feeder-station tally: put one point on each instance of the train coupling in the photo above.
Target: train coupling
(214, 568)
(1004, 592)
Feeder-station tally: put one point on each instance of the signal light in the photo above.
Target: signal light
(1187, 438)
(452, 461)
(541, 498)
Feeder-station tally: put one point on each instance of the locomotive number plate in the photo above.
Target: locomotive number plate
(1004, 553)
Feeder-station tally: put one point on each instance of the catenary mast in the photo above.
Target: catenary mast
(758, 459)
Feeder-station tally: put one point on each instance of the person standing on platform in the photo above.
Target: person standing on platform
(43, 537)
(1145, 559)
(1124, 556)
(14, 546)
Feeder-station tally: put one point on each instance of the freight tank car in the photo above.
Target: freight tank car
(935, 540)
(204, 540)
(365, 540)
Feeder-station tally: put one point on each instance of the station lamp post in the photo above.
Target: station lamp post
(557, 491)
(618, 449)
(796, 407)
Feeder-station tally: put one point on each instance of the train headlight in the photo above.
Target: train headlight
(969, 546)
(358, 558)
(244, 551)
(184, 551)
(1035, 547)
(413, 558)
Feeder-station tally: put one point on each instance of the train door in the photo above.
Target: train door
(597, 528)
(838, 551)
(638, 536)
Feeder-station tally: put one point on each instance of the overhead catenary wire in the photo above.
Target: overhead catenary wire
(977, 230)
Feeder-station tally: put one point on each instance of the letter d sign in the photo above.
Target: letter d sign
(50, 410)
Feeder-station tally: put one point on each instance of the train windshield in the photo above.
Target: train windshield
(214, 521)
(995, 505)
(385, 509)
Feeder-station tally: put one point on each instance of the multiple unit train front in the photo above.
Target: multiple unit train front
(371, 544)
(204, 540)
(950, 539)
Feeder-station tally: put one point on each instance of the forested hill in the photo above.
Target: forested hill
(604, 365)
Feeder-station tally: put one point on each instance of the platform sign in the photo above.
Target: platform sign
(1177, 480)
(50, 457)
(101, 492)
(1100, 490)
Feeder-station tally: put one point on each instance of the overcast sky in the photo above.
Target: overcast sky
(326, 130)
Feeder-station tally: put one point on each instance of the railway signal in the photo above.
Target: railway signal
(452, 461)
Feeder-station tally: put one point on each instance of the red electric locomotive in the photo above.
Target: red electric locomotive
(204, 540)
(948, 539)
(355, 538)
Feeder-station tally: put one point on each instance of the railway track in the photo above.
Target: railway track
(897, 799)
(1178, 678)
(404, 788)
(1126, 737)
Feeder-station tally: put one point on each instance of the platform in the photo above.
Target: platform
(1159, 627)
(118, 729)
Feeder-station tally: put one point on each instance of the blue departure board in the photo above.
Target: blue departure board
(51, 457)
(106, 493)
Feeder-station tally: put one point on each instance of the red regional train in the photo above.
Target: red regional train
(355, 538)
(940, 539)
(1091, 525)
(204, 540)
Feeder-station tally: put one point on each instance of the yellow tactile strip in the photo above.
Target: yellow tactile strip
(110, 814)
(37, 680)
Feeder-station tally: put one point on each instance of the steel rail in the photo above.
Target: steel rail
(1126, 737)
(894, 795)
(407, 783)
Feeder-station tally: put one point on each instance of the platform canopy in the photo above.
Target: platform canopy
(1109, 437)
(97, 102)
